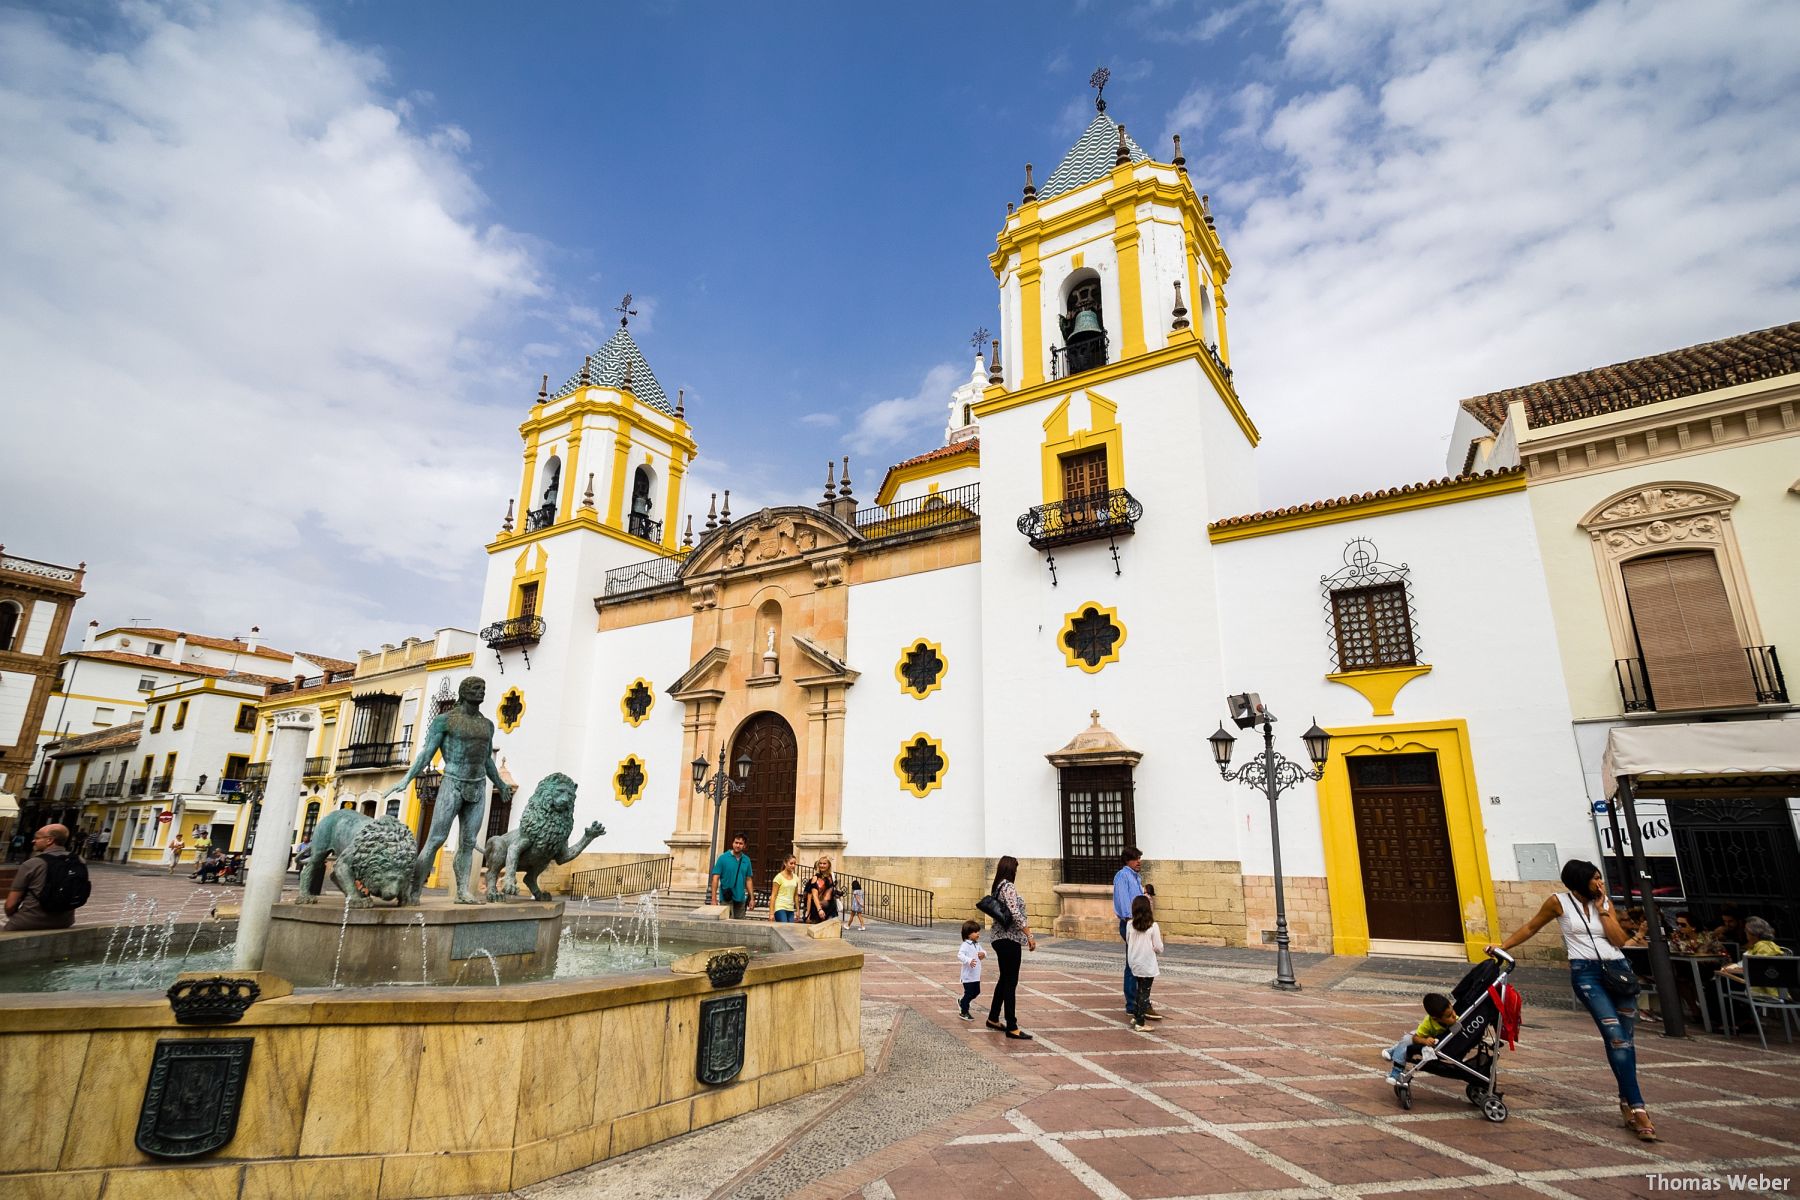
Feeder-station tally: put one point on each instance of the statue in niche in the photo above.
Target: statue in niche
(466, 740)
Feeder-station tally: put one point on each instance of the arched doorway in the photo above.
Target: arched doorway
(764, 811)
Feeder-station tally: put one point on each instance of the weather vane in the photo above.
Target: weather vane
(625, 311)
(979, 339)
(1097, 81)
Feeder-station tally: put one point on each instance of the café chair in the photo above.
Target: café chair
(1778, 971)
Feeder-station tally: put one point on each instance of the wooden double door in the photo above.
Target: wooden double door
(764, 811)
(1403, 842)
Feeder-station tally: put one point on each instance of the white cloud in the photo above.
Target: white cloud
(821, 420)
(248, 309)
(908, 423)
(1462, 204)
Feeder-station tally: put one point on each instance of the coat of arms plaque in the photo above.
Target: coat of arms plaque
(195, 1092)
(722, 1030)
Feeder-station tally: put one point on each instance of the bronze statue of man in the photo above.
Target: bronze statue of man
(466, 740)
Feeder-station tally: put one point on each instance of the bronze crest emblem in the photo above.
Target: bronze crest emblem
(722, 1037)
(195, 1092)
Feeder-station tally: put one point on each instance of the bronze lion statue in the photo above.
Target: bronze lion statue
(541, 839)
(371, 859)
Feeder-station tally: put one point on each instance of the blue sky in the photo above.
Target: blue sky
(282, 278)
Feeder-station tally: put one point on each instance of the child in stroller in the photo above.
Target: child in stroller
(1469, 1048)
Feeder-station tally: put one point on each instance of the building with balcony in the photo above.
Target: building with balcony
(36, 600)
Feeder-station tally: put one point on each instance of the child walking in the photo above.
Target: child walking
(970, 954)
(854, 913)
(1439, 1017)
(1143, 942)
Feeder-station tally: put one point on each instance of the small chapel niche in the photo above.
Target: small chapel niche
(1083, 325)
(767, 664)
(543, 514)
(641, 522)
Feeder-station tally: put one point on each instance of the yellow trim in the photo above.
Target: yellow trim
(1068, 628)
(672, 504)
(907, 785)
(999, 400)
(619, 792)
(625, 707)
(1380, 685)
(615, 493)
(1102, 431)
(1478, 488)
(925, 470)
(900, 671)
(1131, 289)
(583, 519)
(625, 411)
(565, 499)
(1026, 227)
(1449, 741)
(156, 722)
(530, 473)
(450, 662)
(1031, 313)
(181, 712)
(518, 719)
(523, 575)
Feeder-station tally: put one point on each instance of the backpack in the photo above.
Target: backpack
(66, 885)
(1509, 1007)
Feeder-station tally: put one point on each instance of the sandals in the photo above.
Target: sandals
(1640, 1125)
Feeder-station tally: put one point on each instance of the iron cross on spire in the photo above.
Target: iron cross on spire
(979, 340)
(1097, 81)
(625, 311)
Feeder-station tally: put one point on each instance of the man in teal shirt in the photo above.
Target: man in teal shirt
(731, 876)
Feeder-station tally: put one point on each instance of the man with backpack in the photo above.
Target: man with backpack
(49, 887)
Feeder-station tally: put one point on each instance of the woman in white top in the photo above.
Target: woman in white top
(1143, 942)
(1592, 936)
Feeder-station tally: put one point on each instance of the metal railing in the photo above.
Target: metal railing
(1766, 681)
(515, 631)
(625, 879)
(1081, 519)
(883, 901)
(1084, 355)
(642, 576)
(640, 525)
(308, 681)
(542, 517)
(164, 783)
(317, 764)
(114, 787)
(256, 772)
(92, 790)
(139, 786)
(372, 756)
(935, 511)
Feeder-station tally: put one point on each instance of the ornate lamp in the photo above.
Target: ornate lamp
(1318, 744)
(698, 767)
(1222, 742)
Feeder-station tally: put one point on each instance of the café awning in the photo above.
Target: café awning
(1735, 753)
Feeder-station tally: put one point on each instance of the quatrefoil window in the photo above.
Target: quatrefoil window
(637, 702)
(512, 709)
(628, 781)
(921, 669)
(922, 764)
(1091, 637)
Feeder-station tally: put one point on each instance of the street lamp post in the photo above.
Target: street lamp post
(1274, 774)
(718, 787)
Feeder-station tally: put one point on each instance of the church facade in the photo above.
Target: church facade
(1021, 642)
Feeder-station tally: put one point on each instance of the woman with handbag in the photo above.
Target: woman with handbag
(1011, 938)
(1601, 975)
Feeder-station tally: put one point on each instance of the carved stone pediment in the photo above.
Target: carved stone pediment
(1663, 514)
(771, 537)
(695, 680)
(826, 666)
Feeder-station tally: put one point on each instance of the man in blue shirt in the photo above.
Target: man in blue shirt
(731, 877)
(1128, 885)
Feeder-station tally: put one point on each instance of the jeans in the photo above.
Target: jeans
(971, 989)
(1143, 1000)
(1130, 979)
(784, 917)
(1616, 1019)
(1008, 952)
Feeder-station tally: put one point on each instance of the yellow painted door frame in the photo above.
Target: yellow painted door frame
(1449, 741)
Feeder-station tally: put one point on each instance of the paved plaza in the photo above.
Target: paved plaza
(1241, 1092)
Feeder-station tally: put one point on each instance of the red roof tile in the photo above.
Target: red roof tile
(1350, 501)
(201, 639)
(1707, 367)
(163, 664)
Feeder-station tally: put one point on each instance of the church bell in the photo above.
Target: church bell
(1087, 324)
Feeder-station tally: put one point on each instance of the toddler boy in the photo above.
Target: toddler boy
(970, 954)
(1439, 1017)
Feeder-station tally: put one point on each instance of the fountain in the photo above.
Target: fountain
(237, 1082)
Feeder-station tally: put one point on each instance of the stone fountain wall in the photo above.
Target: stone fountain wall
(419, 1092)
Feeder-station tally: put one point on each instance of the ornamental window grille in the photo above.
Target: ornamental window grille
(512, 707)
(1098, 821)
(1369, 611)
(638, 700)
(921, 764)
(1092, 636)
(445, 700)
(921, 668)
(630, 779)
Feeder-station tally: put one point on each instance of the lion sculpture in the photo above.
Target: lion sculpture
(372, 859)
(541, 839)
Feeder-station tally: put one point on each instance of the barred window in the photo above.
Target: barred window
(1373, 626)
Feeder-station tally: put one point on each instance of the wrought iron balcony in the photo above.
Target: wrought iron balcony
(67, 792)
(1084, 355)
(935, 511)
(114, 787)
(373, 756)
(165, 783)
(316, 765)
(515, 631)
(639, 577)
(640, 525)
(140, 786)
(92, 791)
(1082, 519)
(257, 773)
(1763, 679)
(542, 517)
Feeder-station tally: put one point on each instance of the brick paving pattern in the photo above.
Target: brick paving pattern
(1246, 1093)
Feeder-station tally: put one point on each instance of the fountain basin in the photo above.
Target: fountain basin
(422, 1092)
(436, 941)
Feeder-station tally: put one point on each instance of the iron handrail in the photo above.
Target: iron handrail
(542, 517)
(373, 756)
(895, 903)
(642, 576)
(1637, 694)
(624, 879)
(1081, 519)
(934, 511)
(515, 631)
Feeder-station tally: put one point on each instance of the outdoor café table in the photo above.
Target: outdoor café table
(1702, 967)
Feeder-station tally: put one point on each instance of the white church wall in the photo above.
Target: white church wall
(1483, 625)
(882, 818)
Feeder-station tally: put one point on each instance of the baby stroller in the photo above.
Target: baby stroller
(1470, 1052)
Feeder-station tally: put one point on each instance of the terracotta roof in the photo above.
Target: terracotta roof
(971, 446)
(163, 664)
(330, 664)
(1707, 367)
(106, 739)
(1350, 501)
(201, 639)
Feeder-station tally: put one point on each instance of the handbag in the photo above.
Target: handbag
(1616, 975)
(995, 909)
